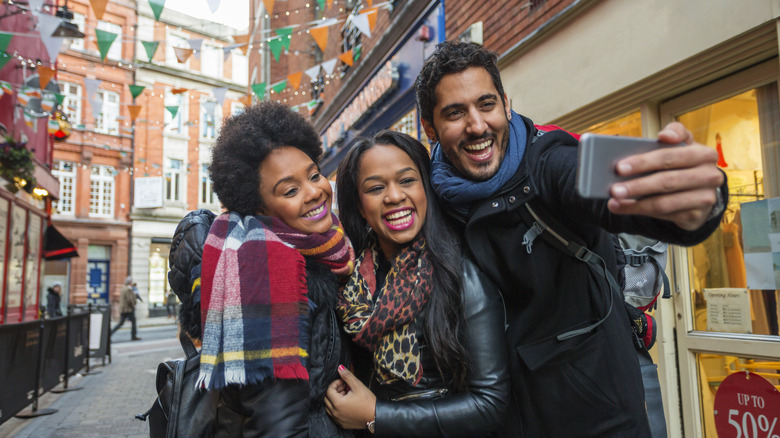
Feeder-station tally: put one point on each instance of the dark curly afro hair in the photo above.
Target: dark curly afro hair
(245, 140)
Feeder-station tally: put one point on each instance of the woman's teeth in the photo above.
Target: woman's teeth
(399, 218)
(315, 212)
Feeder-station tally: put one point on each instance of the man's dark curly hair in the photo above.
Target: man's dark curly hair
(244, 141)
(452, 57)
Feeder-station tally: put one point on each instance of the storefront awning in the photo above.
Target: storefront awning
(56, 246)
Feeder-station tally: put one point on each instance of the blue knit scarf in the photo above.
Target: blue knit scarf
(460, 192)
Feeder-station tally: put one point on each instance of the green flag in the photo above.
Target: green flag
(276, 47)
(322, 4)
(259, 90)
(279, 86)
(173, 110)
(157, 8)
(356, 53)
(59, 98)
(150, 47)
(5, 38)
(286, 34)
(4, 58)
(104, 41)
(136, 90)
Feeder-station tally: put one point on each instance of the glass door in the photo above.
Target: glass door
(727, 287)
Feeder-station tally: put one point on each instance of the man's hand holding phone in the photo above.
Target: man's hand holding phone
(678, 184)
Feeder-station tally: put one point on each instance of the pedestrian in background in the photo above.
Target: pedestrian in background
(127, 300)
(53, 299)
(170, 304)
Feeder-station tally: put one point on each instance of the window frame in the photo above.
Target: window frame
(103, 181)
(67, 179)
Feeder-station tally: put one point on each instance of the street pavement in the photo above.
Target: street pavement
(111, 397)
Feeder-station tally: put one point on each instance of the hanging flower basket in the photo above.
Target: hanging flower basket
(16, 165)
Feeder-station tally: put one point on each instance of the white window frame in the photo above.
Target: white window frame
(236, 108)
(65, 172)
(107, 122)
(203, 129)
(176, 40)
(173, 180)
(72, 100)
(101, 191)
(79, 20)
(115, 51)
(240, 68)
(206, 195)
(211, 61)
(175, 125)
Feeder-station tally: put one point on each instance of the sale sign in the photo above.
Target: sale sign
(747, 406)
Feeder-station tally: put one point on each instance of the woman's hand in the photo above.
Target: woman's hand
(349, 402)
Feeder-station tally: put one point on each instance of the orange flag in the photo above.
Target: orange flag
(246, 100)
(370, 3)
(320, 35)
(44, 76)
(182, 54)
(294, 80)
(269, 6)
(330, 4)
(135, 110)
(346, 57)
(178, 90)
(99, 7)
(242, 39)
(371, 14)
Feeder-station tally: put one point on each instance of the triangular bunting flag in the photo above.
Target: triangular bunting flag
(242, 41)
(356, 53)
(35, 5)
(136, 90)
(91, 85)
(219, 94)
(196, 44)
(6, 87)
(5, 39)
(4, 58)
(269, 6)
(213, 5)
(286, 34)
(47, 105)
(279, 86)
(182, 54)
(32, 92)
(178, 90)
(370, 3)
(150, 47)
(329, 65)
(135, 110)
(210, 105)
(294, 108)
(259, 90)
(173, 109)
(321, 3)
(59, 98)
(320, 35)
(361, 22)
(104, 42)
(30, 121)
(246, 100)
(295, 80)
(44, 76)
(276, 47)
(98, 7)
(371, 14)
(330, 3)
(157, 8)
(313, 72)
(47, 24)
(346, 58)
(23, 98)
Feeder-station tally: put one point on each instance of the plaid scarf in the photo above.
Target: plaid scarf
(254, 304)
(385, 326)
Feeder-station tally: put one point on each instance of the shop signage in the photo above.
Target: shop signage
(747, 406)
(728, 310)
(148, 192)
(382, 84)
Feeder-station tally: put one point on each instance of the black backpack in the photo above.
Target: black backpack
(181, 410)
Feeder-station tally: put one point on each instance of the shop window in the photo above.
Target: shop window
(407, 124)
(158, 273)
(65, 172)
(629, 126)
(72, 102)
(106, 121)
(725, 265)
(173, 174)
(101, 192)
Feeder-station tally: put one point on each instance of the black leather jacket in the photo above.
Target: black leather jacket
(281, 408)
(428, 410)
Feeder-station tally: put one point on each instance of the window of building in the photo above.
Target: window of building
(210, 121)
(144, 31)
(173, 174)
(107, 122)
(115, 52)
(175, 124)
(65, 172)
(240, 68)
(211, 58)
(101, 191)
(207, 195)
(407, 124)
(72, 102)
(236, 108)
(78, 20)
(170, 54)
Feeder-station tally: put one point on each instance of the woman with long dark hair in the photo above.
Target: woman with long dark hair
(431, 324)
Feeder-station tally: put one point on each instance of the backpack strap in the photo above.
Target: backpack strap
(538, 226)
(173, 416)
(186, 344)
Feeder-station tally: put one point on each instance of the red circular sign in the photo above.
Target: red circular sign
(747, 406)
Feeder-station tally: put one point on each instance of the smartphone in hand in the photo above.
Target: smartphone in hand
(598, 156)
